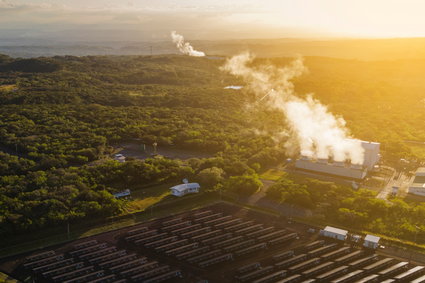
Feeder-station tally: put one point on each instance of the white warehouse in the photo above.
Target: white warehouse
(334, 233)
(418, 184)
(184, 189)
(371, 242)
(343, 169)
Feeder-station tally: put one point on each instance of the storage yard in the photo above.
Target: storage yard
(219, 243)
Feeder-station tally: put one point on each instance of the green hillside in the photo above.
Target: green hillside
(62, 117)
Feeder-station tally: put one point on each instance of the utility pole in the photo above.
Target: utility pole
(155, 144)
(290, 213)
(68, 230)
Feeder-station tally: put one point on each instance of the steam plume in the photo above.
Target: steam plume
(313, 130)
(185, 47)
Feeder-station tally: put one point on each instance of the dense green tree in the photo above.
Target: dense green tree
(244, 185)
(209, 177)
(62, 117)
(353, 209)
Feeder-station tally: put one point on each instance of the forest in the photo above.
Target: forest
(353, 209)
(62, 117)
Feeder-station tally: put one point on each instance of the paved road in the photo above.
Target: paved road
(386, 191)
(398, 179)
(260, 194)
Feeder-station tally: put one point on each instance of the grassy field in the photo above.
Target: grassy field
(6, 279)
(7, 87)
(147, 197)
(272, 174)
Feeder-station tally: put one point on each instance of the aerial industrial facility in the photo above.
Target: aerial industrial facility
(418, 184)
(216, 244)
(343, 169)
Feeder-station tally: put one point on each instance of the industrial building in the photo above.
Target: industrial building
(334, 233)
(418, 184)
(343, 169)
(183, 189)
(371, 242)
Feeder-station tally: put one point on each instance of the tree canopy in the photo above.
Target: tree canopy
(62, 117)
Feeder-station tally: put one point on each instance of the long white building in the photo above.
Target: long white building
(418, 184)
(184, 189)
(343, 169)
(334, 233)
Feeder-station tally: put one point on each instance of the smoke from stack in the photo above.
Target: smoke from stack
(312, 130)
(185, 47)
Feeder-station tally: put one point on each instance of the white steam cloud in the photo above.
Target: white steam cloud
(313, 130)
(185, 47)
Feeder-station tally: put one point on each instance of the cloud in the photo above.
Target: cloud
(135, 20)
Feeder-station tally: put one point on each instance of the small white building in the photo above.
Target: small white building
(125, 193)
(371, 242)
(184, 189)
(334, 233)
(119, 157)
(417, 187)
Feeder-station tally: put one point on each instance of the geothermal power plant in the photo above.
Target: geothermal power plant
(343, 168)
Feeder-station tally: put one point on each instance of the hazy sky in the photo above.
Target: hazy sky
(203, 19)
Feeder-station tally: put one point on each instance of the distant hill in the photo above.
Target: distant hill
(28, 65)
(361, 49)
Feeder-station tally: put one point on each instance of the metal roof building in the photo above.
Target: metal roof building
(344, 169)
(335, 233)
(371, 241)
(183, 189)
(418, 184)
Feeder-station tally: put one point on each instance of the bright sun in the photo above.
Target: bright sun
(375, 18)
